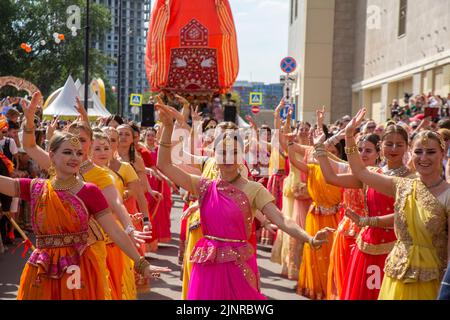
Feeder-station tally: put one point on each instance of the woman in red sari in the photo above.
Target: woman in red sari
(61, 209)
(353, 199)
(160, 183)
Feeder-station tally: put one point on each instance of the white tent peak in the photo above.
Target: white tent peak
(78, 84)
(64, 103)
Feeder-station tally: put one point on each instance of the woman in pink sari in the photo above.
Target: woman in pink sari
(224, 260)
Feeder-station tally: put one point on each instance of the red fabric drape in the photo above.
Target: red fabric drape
(192, 47)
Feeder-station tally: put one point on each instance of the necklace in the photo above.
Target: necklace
(64, 185)
(434, 185)
(234, 179)
(399, 172)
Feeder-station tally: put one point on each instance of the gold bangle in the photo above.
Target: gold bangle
(319, 146)
(165, 144)
(373, 221)
(29, 130)
(351, 150)
(290, 143)
(141, 265)
(323, 153)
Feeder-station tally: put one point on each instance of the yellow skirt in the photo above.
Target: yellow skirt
(193, 236)
(393, 289)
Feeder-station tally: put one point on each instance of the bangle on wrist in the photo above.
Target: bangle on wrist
(28, 130)
(141, 265)
(165, 144)
(129, 229)
(290, 143)
(351, 149)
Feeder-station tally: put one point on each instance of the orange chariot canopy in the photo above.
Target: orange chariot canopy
(192, 47)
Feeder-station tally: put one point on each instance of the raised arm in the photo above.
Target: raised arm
(175, 174)
(9, 186)
(29, 140)
(289, 226)
(379, 182)
(302, 166)
(346, 180)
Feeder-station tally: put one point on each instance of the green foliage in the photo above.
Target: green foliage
(49, 65)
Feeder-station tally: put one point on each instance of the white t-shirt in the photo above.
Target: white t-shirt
(12, 145)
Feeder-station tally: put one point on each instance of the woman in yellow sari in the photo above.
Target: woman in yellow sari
(63, 266)
(416, 264)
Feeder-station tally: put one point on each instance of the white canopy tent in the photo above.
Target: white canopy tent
(63, 104)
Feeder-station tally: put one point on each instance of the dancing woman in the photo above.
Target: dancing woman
(420, 255)
(119, 265)
(352, 199)
(62, 207)
(89, 173)
(224, 262)
(365, 270)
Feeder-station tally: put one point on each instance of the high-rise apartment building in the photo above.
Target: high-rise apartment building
(134, 25)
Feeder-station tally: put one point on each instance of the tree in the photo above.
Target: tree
(49, 64)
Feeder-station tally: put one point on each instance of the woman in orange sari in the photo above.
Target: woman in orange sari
(89, 172)
(353, 199)
(312, 279)
(63, 266)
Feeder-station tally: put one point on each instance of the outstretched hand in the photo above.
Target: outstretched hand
(29, 109)
(278, 108)
(81, 110)
(320, 116)
(165, 114)
(318, 136)
(195, 115)
(155, 271)
(51, 128)
(355, 122)
(321, 236)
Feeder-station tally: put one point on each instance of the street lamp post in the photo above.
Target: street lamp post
(86, 58)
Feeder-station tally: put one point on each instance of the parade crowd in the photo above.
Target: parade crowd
(352, 210)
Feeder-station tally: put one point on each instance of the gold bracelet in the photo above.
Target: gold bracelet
(319, 146)
(351, 150)
(373, 221)
(29, 130)
(323, 153)
(141, 265)
(290, 143)
(165, 144)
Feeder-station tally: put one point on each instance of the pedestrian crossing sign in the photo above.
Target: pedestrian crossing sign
(135, 99)
(255, 99)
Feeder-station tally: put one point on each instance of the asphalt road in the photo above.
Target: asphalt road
(168, 287)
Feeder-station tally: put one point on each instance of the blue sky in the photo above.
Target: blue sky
(262, 30)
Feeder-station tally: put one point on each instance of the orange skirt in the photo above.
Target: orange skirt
(339, 257)
(312, 278)
(44, 288)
